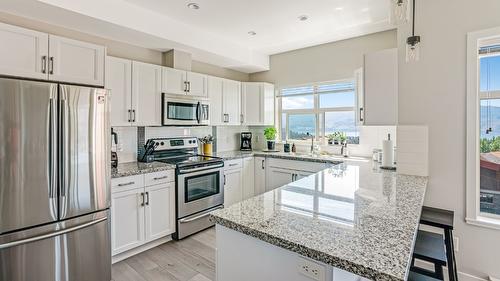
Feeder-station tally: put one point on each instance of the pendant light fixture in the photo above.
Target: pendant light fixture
(399, 14)
(413, 42)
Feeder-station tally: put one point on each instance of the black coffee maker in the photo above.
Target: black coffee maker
(246, 141)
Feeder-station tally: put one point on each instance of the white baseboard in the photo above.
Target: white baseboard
(140, 249)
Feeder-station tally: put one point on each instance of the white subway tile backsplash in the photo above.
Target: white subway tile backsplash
(127, 144)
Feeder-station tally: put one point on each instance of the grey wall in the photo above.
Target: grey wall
(433, 92)
(332, 61)
(119, 49)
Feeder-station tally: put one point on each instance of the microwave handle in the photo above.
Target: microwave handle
(198, 113)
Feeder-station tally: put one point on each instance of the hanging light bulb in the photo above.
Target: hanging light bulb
(413, 42)
(399, 13)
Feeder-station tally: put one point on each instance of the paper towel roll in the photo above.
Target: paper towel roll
(387, 153)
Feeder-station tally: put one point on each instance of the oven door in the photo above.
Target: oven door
(185, 112)
(199, 190)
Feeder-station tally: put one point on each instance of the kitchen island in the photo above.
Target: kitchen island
(347, 222)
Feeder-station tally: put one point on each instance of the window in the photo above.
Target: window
(318, 110)
(483, 129)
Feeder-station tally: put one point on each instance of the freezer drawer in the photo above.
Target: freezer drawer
(75, 250)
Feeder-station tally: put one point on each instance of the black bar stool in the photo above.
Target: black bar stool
(413, 276)
(436, 248)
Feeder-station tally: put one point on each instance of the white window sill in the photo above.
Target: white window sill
(484, 222)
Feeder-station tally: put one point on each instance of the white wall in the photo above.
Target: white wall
(331, 61)
(433, 92)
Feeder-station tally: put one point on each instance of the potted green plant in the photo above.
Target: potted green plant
(270, 135)
(331, 138)
(342, 138)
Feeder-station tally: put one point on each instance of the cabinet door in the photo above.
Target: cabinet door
(146, 94)
(127, 220)
(197, 84)
(381, 88)
(173, 81)
(260, 175)
(252, 103)
(23, 52)
(215, 96)
(248, 178)
(279, 177)
(268, 105)
(231, 101)
(360, 96)
(232, 187)
(302, 174)
(160, 210)
(118, 79)
(76, 61)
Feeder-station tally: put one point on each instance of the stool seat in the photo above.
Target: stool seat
(413, 276)
(430, 247)
(437, 217)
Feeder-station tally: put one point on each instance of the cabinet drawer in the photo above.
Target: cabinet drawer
(127, 183)
(159, 177)
(233, 164)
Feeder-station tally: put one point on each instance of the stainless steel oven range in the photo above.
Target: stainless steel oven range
(199, 182)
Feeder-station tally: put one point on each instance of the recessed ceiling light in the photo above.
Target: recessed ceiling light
(252, 33)
(193, 6)
(303, 18)
(339, 8)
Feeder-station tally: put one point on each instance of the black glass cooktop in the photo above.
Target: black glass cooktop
(190, 160)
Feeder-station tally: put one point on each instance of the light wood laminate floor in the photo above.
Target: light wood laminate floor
(191, 259)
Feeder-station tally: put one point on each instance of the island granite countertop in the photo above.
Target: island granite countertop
(351, 216)
(137, 168)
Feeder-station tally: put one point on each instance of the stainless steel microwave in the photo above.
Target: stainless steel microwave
(180, 111)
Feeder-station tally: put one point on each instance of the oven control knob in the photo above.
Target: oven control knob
(162, 143)
(157, 143)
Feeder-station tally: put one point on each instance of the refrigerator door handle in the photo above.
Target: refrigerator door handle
(52, 148)
(49, 235)
(63, 147)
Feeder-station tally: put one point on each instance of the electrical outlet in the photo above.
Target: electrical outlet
(311, 269)
(455, 243)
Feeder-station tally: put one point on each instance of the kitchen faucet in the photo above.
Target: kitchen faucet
(343, 150)
(312, 142)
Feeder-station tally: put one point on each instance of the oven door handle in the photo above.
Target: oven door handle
(201, 169)
(202, 215)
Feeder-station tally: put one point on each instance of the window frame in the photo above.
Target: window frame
(316, 110)
(474, 216)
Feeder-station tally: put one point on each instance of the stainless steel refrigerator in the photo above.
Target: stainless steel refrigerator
(54, 182)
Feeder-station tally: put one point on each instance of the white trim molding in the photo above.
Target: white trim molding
(473, 215)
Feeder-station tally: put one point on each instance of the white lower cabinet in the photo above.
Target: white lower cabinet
(142, 214)
(233, 182)
(248, 178)
(259, 175)
(127, 220)
(279, 177)
(280, 172)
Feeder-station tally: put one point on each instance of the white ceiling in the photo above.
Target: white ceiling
(217, 33)
(276, 21)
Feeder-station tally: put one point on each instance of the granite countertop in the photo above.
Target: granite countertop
(230, 155)
(352, 216)
(137, 168)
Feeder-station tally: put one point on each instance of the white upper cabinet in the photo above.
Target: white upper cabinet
(180, 82)
(360, 95)
(75, 61)
(257, 103)
(196, 84)
(215, 96)
(119, 81)
(23, 52)
(146, 94)
(174, 81)
(381, 88)
(231, 103)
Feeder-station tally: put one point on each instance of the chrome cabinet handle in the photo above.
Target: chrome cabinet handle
(130, 115)
(133, 114)
(125, 184)
(361, 111)
(147, 198)
(44, 64)
(189, 86)
(143, 202)
(234, 164)
(51, 65)
(224, 179)
(185, 87)
(160, 178)
(263, 165)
